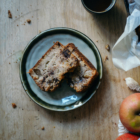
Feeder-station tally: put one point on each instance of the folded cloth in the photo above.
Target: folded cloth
(126, 51)
(121, 129)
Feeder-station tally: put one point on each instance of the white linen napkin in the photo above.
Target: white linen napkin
(121, 129)
(126, 51)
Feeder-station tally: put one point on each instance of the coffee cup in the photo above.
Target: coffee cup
(98, 6)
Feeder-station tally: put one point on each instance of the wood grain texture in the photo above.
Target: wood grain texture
(97, 119)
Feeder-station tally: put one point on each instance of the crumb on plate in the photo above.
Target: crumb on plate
(43, 128)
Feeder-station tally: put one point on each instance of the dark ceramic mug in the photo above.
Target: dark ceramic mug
(98, 12)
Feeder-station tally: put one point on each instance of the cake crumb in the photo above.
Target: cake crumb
(17, 9)
(15, 16)
(32, 16)
(28, 20)
(54, 127)
(9, 63)
(132, 84)
(96, 40)
(17, 24)
(107, 47)
(106, 58)
(9, 14)
(14, 105)
(123, 79)
(39, 31)
(43, 128)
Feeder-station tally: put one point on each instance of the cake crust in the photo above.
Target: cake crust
(84, 75)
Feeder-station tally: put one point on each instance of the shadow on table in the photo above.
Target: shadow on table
(111, 24)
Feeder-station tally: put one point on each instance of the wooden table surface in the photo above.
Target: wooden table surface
(97, 119)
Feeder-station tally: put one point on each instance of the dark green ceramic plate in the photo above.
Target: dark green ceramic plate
(64, 98)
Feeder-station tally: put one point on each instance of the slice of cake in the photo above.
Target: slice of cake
(84, 74)
(49, 71)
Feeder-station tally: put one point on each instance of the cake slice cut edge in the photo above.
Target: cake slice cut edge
(84, 75)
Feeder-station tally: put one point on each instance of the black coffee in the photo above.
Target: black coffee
(98, 5)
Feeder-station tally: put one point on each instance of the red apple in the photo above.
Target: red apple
(130, 113)
(127, 136)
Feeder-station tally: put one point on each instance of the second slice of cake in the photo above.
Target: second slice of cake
(84, 74)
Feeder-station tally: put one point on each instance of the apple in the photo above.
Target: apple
(127, 136)
(130, 113)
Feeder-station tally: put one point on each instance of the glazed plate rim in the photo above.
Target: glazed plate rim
(29, 45)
